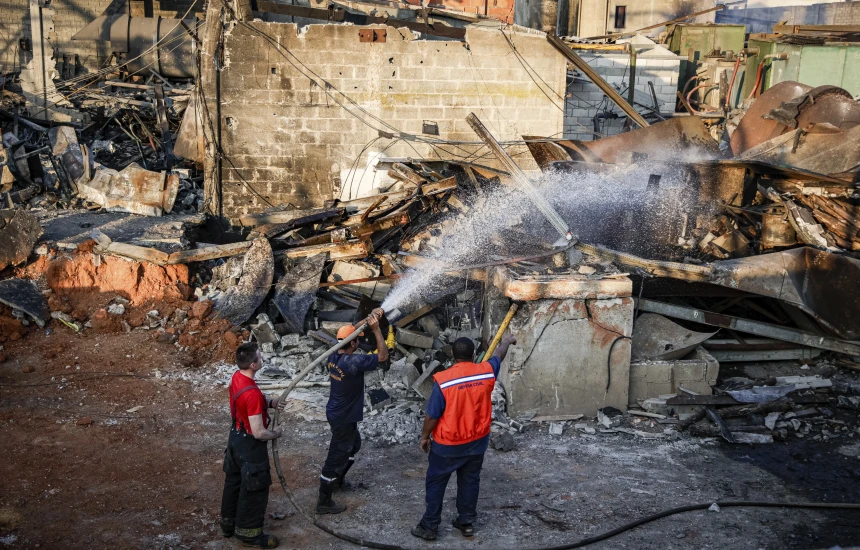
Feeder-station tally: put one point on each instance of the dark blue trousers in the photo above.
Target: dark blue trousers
(439, 471)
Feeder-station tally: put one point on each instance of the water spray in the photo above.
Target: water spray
(523, 181)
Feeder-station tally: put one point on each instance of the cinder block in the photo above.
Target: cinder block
(658, 372)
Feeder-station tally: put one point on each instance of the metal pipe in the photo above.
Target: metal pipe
(502, 328)
(732, 83)
(782, 56)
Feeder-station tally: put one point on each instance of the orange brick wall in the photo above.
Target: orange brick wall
(498, 9)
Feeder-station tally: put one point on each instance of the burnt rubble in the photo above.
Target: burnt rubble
(737, 241)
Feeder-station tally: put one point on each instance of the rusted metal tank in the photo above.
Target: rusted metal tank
(156, 43)
(776, 230)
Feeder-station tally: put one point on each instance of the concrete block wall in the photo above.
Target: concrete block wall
(760, 20)
(302, 127)
(70, 16)
(585, 99)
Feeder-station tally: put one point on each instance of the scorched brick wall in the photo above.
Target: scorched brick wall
(295, 143)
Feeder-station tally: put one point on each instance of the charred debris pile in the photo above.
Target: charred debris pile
(748, 247)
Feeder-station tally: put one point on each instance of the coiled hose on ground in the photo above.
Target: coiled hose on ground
(577, 544)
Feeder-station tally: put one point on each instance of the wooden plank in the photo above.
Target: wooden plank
(104, 245)
(415, 315)
(288, 216)
(437, 187)
(800, 29)
(336, 251)
(128, 85)
(362, 280)
(209, 252)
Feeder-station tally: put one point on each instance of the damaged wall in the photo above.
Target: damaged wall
(597, 17)
(301, 127)
(561, 363)
(70, 16)
(585, 101)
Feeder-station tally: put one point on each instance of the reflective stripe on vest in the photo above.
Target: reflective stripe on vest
(467, 389)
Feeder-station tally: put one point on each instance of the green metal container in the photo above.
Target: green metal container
(703, 39)
(813, 65)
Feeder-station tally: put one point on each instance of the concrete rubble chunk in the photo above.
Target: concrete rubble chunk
(804, 382)
(413, 338)
(424, 384)
(583, 427)
(609, 416)
(264, 330)
(556, 428)
(752, 438)
(19, 231)
(503, 442)
(771, 419)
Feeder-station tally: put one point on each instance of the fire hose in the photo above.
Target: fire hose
(577, 544)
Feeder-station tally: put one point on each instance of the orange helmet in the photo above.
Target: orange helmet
(345, 331)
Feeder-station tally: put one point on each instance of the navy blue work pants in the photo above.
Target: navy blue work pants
(439, 471)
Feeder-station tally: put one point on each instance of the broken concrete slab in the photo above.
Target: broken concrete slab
(238, 303)
(295, 291)
(571, 356)
(424, 384)
(697, 372)
(660, 339)
(23, 295)
(415, 339)
(19, 231)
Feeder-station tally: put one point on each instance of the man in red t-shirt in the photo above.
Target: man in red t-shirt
(246, 463)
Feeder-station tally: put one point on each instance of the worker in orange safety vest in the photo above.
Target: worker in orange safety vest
(458, 415)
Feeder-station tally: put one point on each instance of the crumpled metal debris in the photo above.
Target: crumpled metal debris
(134, 189)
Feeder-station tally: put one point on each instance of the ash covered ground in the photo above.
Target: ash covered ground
(134, 461)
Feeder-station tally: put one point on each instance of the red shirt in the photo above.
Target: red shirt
(252, 402)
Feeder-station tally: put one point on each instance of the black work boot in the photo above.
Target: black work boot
(228, 526)
(466, 529)
(422, 533)
(341, 483)
(325, 504)
(256, 538)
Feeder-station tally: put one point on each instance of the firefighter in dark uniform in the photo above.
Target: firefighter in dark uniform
(345, 409)
(246, 462)
(458, 415)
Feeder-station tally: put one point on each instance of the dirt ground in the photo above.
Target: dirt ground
(81, 471)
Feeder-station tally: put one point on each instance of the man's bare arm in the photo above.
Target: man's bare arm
(429, 426)
(502, 350)
(259, 430)
(373, 323)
